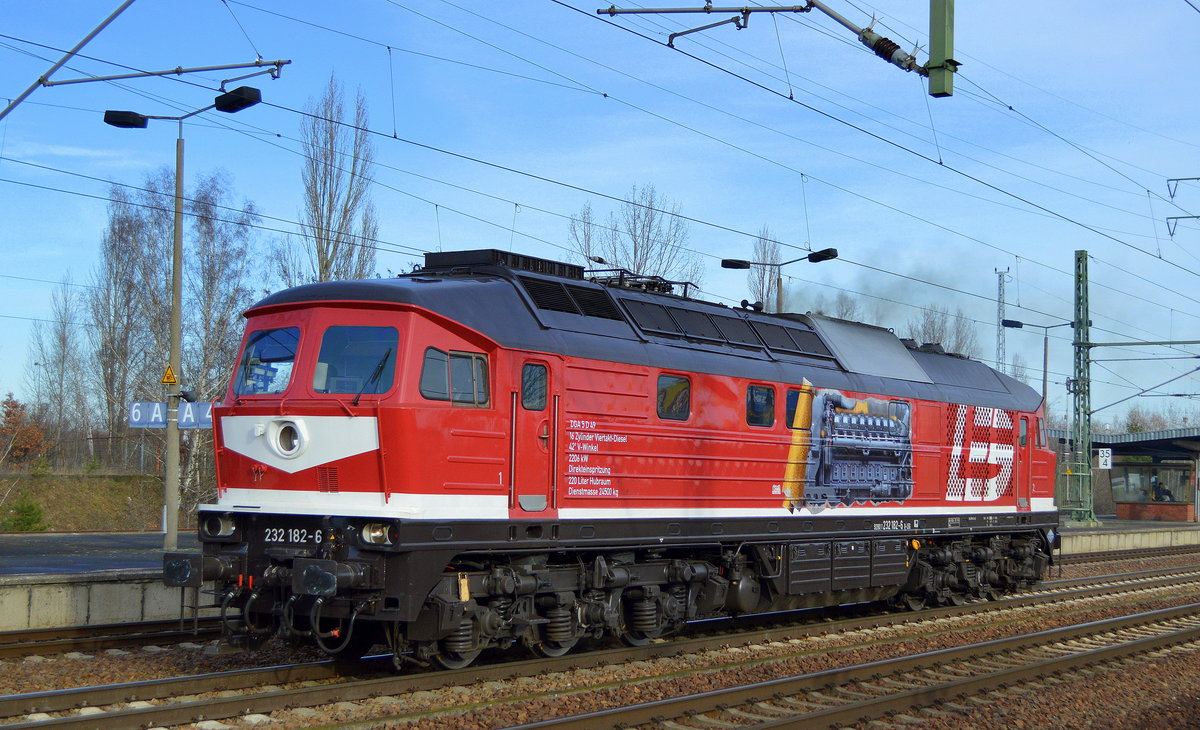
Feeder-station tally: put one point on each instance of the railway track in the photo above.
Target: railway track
(1136, 554)
(182, 700)
(849, 695)
(99, 637)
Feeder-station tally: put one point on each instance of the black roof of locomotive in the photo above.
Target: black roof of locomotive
(535, 304)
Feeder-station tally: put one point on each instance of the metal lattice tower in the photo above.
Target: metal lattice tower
(1079, 495)
(1001, 356)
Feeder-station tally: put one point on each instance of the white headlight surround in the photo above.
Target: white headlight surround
(287, 437)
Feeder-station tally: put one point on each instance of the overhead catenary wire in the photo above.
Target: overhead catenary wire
(505, 228)
(896, 145)
(892, 273)
(844, 190)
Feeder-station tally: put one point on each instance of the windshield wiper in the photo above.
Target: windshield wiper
(374, 376)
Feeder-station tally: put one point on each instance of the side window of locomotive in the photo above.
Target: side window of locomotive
(533, 387)
(1041, 433)
(459, 377)
(435, 375)
(791, 406)
(1024, 435)
(356, 360)
(760, 405)
(267, 361)
(674, 397)
(468, 378)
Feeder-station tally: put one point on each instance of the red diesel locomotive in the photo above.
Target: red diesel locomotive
(495, 449)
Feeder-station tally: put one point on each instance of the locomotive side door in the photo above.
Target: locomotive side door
(1022, 463)
(534, 406)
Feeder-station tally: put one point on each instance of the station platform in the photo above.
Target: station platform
(1104, 535)
(75, 579)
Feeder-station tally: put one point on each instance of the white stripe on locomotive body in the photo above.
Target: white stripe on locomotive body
(495, 507)
(320, 439)
(852, 511)
(364, 504)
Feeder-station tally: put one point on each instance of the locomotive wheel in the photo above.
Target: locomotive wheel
(635, 638)
(455, 660)
(553, 649)
(460, 648)
(559, 635)
(914, 602)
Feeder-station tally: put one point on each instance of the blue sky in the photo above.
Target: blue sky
(497, 122)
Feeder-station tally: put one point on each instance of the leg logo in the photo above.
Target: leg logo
(981, 454)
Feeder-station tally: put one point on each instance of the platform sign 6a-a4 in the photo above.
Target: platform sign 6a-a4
(151, 414)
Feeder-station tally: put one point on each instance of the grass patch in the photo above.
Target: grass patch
(80, 503)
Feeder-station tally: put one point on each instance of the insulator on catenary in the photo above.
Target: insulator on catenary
(885, 47)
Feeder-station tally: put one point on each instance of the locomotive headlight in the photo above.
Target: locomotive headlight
(378, 533)
(218, 526)
(287, 437)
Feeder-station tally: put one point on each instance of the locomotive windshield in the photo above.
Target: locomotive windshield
(356, 360)
(266, 365)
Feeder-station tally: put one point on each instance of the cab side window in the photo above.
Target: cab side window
(760, 405)
(533, 386)
(674, 397)
(459, 377)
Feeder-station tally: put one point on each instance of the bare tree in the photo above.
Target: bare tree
(764, 280)
(220, 284)
(117, 336)
(1139, 418)
(339, 223)
(646, 236)
(129, 305)
(842, 306)
(954, 332)
(846, 307)
(585, 234)
(58, 380)
(1018, 368)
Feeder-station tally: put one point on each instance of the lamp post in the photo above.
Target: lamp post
(230, 102)
(815, 257)
(1045, 328)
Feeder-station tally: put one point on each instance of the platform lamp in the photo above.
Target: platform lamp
(1045, 328)
(230, 102)
(815, 257)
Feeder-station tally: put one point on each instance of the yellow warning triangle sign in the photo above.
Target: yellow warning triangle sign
(168, 377)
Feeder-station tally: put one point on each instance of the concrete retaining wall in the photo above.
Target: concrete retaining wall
(46, 601)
